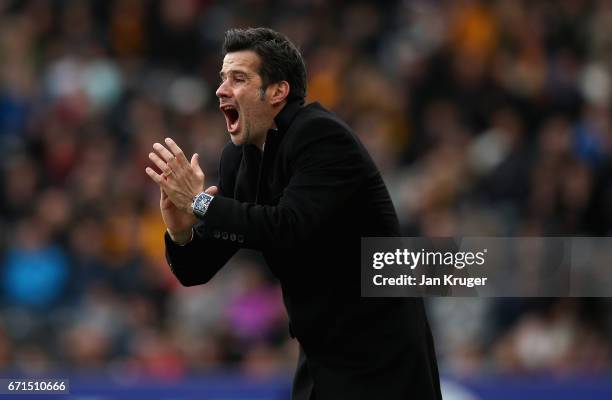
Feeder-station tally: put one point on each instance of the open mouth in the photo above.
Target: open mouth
(232, 117)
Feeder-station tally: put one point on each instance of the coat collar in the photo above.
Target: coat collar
(284, 118)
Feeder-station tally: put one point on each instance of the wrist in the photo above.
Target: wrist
(181, 237)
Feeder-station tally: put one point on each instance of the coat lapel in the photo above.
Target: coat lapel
(248, 174)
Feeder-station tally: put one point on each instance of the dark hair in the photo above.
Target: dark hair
(280, 59)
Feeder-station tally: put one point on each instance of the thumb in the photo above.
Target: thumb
(195, 164)
(212, 190)
(195, 161)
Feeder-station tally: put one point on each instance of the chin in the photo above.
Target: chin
(237, 139)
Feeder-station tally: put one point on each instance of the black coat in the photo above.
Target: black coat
(305, 202)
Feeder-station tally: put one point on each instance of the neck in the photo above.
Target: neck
(260, 144)
(277, 109)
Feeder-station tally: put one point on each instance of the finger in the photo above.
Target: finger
(176, 150)
(165, 154)
(157, 178)
(212, 190)
(161, 164)
(164, 196)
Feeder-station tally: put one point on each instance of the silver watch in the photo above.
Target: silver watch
(200, 204)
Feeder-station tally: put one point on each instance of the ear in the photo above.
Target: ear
(278, 92)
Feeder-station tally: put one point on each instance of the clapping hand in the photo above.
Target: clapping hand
(179, 182)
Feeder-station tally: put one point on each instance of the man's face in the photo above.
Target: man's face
(248, 112)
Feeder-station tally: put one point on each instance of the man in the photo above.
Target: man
(297, 185)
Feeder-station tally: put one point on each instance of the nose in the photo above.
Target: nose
(223, 90)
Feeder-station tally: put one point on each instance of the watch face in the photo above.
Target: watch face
(200, 205)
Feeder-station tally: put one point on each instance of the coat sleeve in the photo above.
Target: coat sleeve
(199, 260)
(327, 168)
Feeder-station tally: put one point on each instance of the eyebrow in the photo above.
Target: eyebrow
(233, 72)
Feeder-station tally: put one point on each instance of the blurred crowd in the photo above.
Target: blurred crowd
(485, 117)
